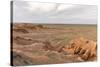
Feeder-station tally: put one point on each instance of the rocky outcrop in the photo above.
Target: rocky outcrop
(83, 47)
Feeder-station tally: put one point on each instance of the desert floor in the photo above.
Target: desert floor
(35, 44)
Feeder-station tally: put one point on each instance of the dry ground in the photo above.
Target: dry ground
(43, 44)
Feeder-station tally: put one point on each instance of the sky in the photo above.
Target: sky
(38, 12)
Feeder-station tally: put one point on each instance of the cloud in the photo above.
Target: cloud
(42, 7)
(63, 7)
(28, 11)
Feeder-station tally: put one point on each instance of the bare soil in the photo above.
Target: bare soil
(35, 44)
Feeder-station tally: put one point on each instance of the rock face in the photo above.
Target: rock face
(85, 48)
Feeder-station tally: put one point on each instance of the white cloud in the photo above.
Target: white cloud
(44, 7)
(25, 11)
(64, 6)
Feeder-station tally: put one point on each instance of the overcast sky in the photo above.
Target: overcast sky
(35, 12)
